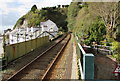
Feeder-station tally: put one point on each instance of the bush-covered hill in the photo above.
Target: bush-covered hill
(93, 22)
(35, 16)
(96, 22)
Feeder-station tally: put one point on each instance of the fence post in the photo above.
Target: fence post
(88, 67)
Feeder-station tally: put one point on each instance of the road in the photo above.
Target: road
(104, 66)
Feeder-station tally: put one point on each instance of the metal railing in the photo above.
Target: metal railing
(25, 36)
(86, 63)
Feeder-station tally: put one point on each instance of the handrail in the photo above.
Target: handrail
(45, 32)
(87, 63)
(80, 46)
(80, 65)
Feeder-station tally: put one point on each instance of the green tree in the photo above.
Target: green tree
(59, 6)
(116, 50)
(34, 7)
(73, 10)
(83, 21)
(109, 12)
(97, 32)
(35, 16)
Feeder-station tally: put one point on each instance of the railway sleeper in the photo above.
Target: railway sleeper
(49, 55)
(41, 67)
(33, 74)
(44, 60)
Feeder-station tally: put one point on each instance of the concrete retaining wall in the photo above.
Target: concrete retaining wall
(14, 51)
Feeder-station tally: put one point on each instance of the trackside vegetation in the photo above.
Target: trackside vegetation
(92, 22)
(96, 22)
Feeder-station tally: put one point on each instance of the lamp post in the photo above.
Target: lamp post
(39, 30)
(17, 37)
(31, 40)
(31, 36)
(93, 44)
(26, 36)
(97, 44)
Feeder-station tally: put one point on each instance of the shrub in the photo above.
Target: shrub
(116, 50)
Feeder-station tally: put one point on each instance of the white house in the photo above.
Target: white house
(50, 27)
(34, 29)
(24, 34)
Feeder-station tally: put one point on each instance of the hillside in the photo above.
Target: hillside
(35, 16)
(92, 22)
(96, 22)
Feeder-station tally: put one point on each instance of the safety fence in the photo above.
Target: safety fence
(86, 63)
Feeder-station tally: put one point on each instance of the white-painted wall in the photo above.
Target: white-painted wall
(19, 33)
(48, 26)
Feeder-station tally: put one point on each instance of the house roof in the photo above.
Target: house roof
(48, 22)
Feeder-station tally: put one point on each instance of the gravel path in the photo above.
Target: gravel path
(74, 64)
(63, 68)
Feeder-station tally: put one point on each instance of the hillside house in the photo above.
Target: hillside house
(24, 34)
(50, 27)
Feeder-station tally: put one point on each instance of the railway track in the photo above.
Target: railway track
(38, 68)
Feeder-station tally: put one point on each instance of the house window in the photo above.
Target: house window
(51, 29)
(45, 25)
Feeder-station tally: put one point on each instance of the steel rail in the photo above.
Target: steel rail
(10, 78)
(55, 58)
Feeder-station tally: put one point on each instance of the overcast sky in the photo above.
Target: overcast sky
(12, 10)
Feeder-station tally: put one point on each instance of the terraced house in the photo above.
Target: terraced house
(28, 33)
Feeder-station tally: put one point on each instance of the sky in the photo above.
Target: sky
(12, 10)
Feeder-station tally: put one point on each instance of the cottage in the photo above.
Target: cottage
(50, 27)
(24, 34)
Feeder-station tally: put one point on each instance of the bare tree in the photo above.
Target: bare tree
(109, 12)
